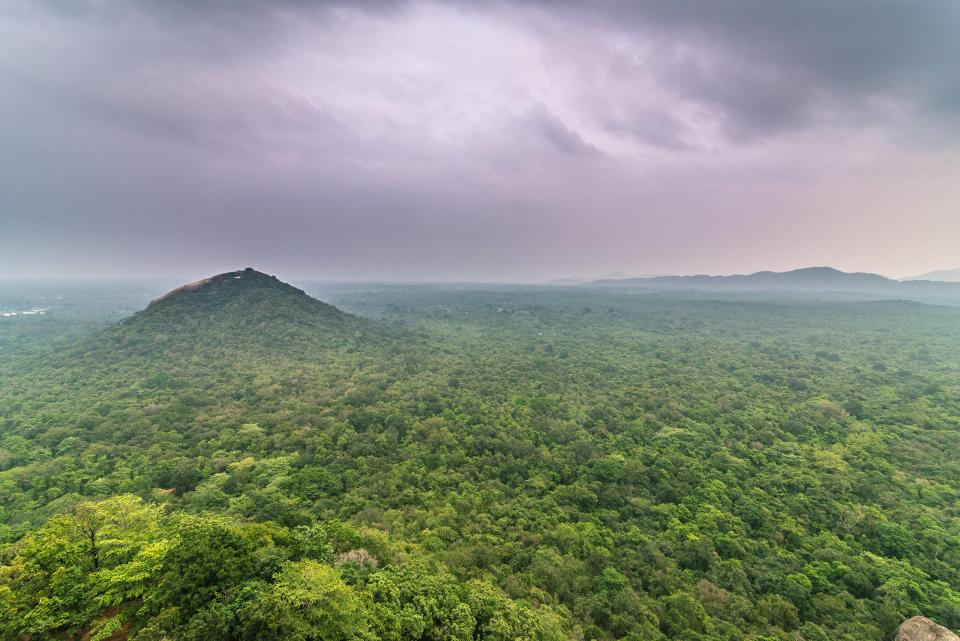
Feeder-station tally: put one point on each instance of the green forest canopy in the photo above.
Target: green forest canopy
(483, 464)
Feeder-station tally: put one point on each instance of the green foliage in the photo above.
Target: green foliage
(97, 558)
(549, 464)
(121, 566)
(306, 601)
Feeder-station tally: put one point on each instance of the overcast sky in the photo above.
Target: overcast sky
(522, 140)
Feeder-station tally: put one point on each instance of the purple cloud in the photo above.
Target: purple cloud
(490, 141)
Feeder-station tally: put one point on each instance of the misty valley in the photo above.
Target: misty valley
(238, 460)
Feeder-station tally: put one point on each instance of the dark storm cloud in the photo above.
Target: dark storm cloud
(461, 139)
(773, 66)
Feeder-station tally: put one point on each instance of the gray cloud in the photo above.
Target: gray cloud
(770, 66)
(558, 134)
(653, 128)
(471, 140)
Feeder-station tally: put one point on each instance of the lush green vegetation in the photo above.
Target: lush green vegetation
(483, 464)
(109, 564)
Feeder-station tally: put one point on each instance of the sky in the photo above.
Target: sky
(520, 140)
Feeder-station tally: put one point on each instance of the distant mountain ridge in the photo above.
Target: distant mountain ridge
(940, 275)
(814, 278)
(807, 280)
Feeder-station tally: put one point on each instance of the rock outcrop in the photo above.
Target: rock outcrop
(923, 629)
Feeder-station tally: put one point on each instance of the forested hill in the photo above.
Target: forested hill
(242, 311)
(245, 302)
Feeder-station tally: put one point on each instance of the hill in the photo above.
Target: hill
(241, 309)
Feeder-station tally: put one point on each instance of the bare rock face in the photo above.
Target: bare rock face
(923, 629)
